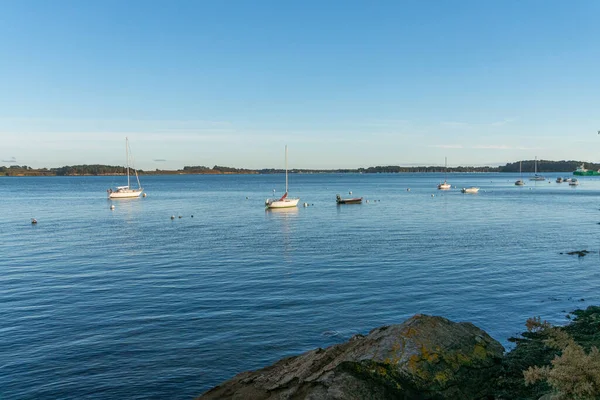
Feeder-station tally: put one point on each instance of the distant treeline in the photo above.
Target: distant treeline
(98, 169)
(217, 169)
(548, 166)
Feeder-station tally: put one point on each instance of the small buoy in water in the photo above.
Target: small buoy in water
(172, 217)
(305, 204)
(246, 197)
(350, 192)
(112, 207)
(367, 201)
(192, 216)
(33, 221)
(180, 216)
(433, 195)
(144, 195)
(408, 189)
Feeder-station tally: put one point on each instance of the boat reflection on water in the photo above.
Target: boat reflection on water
(282, 212)
(284, 224)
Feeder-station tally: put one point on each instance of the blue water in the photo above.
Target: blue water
(127, 303)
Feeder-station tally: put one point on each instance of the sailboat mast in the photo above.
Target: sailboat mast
(446, 168)
(286, 173)
(127, 160)
(520, 170)
(535, 166)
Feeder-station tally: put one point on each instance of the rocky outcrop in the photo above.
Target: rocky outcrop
(423, 358)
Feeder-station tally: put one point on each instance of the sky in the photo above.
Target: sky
(344, 84)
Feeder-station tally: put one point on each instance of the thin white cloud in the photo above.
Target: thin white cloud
(462, 124)
(492, 147)
(456, 124)
(448, 146)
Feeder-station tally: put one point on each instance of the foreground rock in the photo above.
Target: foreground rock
(423, 358)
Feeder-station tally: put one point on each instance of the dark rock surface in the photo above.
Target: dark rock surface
(423, 358)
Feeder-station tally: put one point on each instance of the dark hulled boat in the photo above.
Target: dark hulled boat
(354, 200)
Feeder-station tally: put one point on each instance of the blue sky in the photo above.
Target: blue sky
(342, 83)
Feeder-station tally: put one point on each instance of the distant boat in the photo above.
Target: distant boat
(355, 200)
(126, 192)
(536, 177)
(581, 171)
(471, 190)
(284, 201)
(559, 179)
(445, 185)
(520, 181)
(574, 182)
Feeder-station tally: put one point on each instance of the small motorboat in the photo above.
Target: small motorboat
(520, 182)
(354, 200)
(471, 189)
(574, 182)
(559, 179)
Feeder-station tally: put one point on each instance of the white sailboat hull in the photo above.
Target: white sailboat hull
(470, 190)
(444, 186)
(285, 203)
(125, 193)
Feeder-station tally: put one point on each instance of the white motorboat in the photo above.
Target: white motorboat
(284, 201)
(559, 179)
(445, 185)
(574, 182)
(471, 190)
(126, 192)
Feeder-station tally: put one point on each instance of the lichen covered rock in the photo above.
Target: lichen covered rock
(423, 358)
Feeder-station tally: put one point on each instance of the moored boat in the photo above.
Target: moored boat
(582, 171)
(536, 177)
(126, 192)
(354, 200)
(445, 185)
(284, 201)
(471, 190)
(520, 181)
(574, 182)
(559, 179)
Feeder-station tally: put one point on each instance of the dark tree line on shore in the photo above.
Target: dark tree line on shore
(548, 166)
(543, 166)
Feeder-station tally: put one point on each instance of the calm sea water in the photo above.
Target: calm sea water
(102, 304)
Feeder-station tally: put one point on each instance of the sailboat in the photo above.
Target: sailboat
(536, 177)
(284, 201)
(126, 192)
(445, 185)
(520, 181)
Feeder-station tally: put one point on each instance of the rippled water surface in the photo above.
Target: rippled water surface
(127, 303)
